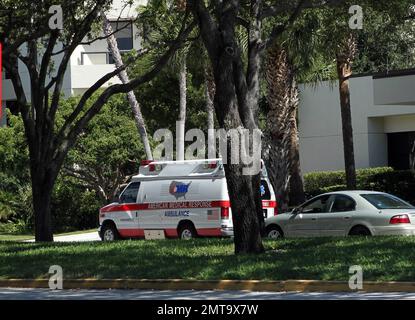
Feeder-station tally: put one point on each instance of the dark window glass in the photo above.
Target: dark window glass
(386, 201)
(265, 193)
(316, 205)
(129, 195)
(124, 35)
(343, 203)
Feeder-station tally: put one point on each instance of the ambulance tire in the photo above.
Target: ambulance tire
(187, 231)
(109, 232)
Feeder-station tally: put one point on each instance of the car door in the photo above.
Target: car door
(337, 220)
(303, 222)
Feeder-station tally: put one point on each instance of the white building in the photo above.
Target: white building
(383, 118)
(92, 61)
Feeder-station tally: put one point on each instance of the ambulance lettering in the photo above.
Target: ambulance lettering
(180, 213)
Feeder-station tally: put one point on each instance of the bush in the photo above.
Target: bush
(17, 227)
(400, 183)
(74, 207)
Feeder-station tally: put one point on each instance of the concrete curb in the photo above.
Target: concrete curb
(182, 284)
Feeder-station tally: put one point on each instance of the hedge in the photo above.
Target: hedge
(397, 182)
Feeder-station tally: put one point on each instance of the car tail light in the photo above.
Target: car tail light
(402, 218)
(145, 162)
(210, 165)
(224, 213)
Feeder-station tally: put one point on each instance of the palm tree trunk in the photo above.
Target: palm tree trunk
(276, 152)
(210, 110)
(345, 57)
(180, 127)
(412, 159)
(135, 107)
(297, 195)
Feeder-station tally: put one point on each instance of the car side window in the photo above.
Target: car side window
(317, 205)
(343, 204)
(129, 195)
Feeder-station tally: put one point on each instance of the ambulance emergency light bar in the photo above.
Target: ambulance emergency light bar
(195, 166)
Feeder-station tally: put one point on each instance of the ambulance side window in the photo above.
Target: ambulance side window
(265, 193)
(129, 195)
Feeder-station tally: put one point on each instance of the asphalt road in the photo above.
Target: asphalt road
(46, 294)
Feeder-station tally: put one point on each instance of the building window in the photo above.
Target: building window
(124, 36)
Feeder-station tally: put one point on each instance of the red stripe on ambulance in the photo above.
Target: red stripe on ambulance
(177, 205)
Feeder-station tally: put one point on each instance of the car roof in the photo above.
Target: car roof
(355, 192)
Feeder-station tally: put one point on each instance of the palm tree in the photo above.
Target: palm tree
(412, 158)
(135, 107)
(297, 194)
(210, 110)
(344, 58)
(180, 131)
(280, 81)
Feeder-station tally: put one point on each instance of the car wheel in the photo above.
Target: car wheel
(274, 232)
(187, 231)
(109, 232)
(360, 231)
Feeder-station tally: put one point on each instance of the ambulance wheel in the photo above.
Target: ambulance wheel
(187, 231)
(109, 232)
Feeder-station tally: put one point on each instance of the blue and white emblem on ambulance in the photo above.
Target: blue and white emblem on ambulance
(179, 189)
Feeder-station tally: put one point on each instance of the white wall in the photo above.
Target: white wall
(321, 142)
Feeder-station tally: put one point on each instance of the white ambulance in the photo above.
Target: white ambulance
(184, 199)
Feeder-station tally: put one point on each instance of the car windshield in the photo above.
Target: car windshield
(385, 201)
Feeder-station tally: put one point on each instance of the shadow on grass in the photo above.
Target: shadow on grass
(382, 258)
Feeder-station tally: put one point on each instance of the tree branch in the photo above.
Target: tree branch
(67, 138)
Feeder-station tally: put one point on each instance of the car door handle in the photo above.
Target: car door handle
(314, 219)
(346, 218)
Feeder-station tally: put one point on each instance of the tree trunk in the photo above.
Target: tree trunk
(135, 107)
(276, 153)
(42, 186)
(244, 194)
(297, 195)
(210, 110)
(344, 71)
(180, 127)
(412, 158)
(244, 190)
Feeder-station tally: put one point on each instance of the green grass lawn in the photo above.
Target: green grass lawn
(13, 237)
(382, 258)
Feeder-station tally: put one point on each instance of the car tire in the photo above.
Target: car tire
(109, 232)
(187, 231)
(274, 232)
(360, 231)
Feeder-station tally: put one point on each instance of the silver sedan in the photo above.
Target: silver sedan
(344, 213)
